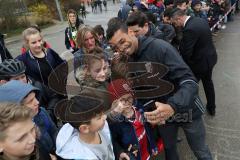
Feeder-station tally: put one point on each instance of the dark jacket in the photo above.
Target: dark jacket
(154, 32)
(124, 134)
(168, 31)
(123, 12)
(69, 42)
(46, 97)
(185, 93)
(4, 53)
(48, 130)
(197, 48)
(32, 66)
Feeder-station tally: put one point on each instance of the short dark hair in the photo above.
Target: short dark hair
(179, 2)
(167, 12)
(177, 12)
(114, 25)
(79, 110)
(99, 30)
(137, 18)
(168, 2)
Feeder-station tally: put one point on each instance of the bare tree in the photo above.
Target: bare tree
(9, 12)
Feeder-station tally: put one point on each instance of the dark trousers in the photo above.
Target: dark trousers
(195, 134)
(208, 86)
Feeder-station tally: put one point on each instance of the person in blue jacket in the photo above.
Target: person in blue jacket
(22, 93)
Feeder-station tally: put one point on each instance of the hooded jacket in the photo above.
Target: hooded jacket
(69, 146)
(15, 91)
(185, 95)
(168, 31)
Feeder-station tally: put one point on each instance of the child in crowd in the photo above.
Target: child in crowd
(86, 134)
(71, 31)
(13, 69)
(130, 128)
(94, 69)
(39, 61)
(25, 48)
(22, 93)
(18, 138)
(197, 9)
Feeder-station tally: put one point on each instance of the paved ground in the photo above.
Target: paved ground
(223, 131)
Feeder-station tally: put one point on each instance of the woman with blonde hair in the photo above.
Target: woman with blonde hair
(39, 61)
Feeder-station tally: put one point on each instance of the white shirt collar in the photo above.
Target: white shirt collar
(186, 20)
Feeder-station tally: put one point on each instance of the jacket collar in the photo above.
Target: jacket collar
(188, 19)
(31, 55)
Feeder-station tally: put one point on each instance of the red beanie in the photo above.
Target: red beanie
(118, 88)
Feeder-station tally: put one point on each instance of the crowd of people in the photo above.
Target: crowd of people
(136, 86)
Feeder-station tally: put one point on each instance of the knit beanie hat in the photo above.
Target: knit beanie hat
(118, 88)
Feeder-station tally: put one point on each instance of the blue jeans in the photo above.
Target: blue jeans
(195, 134)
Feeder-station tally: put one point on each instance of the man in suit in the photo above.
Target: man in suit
(198, 51)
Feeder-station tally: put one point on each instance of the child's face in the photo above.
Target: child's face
(20, 140)
(99, 70)
(35, 43)
(97, 123)
(31, 101)
(123, 104)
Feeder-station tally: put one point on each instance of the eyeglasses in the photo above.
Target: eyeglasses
(127, 100)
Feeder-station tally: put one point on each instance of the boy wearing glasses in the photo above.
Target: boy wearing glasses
(132, 135)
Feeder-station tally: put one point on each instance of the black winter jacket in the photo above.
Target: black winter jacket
(154, 32)
(184, 98)
(4, 53)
